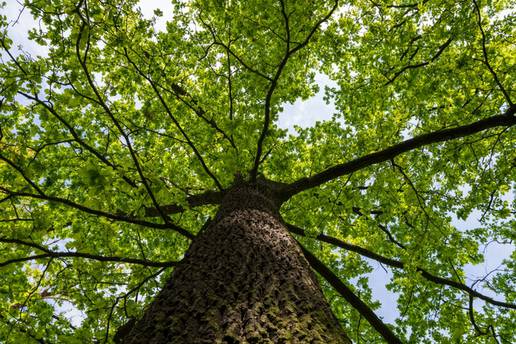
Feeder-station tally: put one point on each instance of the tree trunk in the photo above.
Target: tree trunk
(243, 280)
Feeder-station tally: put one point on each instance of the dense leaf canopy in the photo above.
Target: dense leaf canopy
(117, 144)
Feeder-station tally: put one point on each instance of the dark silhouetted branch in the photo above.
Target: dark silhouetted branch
(53, 254)
(173, 118)
(22, 173)
(103, 104)
(486, 60)
(506, 120)
(75, 135)
(181, 94)
(351, 298)
(115, 217)
(422, 64)
(398, 264)
(209, 197)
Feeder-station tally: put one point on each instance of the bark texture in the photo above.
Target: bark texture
(243, 280)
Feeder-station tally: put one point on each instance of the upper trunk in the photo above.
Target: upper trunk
(243, 280)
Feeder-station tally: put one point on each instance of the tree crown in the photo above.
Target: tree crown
(118, 143)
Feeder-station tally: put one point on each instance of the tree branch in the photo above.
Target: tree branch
(400, 265)
(382, 228)
(274, 81)
(82, 62)
(53, 254)
(22, 173)
(507, 119)
(176, 122)
(2, 42)
(486, 60)
(125, 329)
(230, 52)
(209, 197)
(351, 298)
(75, 135)
(230, 89)
(180, 93)
(421, 64)
(122, 218)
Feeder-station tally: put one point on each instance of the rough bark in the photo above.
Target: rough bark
(243, 280)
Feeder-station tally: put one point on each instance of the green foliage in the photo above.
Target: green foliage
(118, 113)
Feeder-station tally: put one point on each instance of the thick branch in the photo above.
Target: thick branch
(209, 197)
(122, 218)
(506, 120)
(53, 254)
(398, 264)
(351, 298)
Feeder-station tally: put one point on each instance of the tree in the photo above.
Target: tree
(131, 156)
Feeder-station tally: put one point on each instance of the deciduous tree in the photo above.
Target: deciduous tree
(146, 185)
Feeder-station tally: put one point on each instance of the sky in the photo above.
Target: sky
(300, 113)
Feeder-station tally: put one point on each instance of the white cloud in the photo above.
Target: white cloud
(305, 113)
(20, 22)
(148, 6)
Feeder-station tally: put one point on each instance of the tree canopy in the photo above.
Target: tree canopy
(117, 145)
